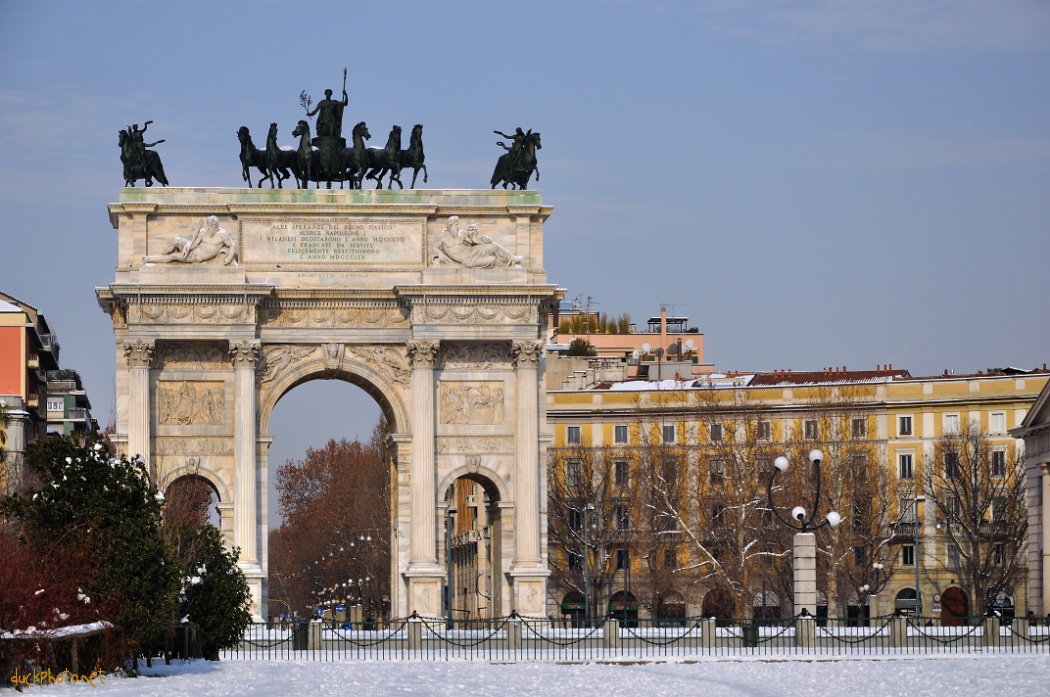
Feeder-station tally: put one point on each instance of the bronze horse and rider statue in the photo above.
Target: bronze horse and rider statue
(140, 162)
(515, 167)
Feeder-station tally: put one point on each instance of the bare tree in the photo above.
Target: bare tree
(596, 487)
(334, 543)
(979, 495)
(715, 501)
(853, 557)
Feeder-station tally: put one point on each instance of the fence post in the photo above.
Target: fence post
(415, 634)
(805, 632)
(1019, 625)
(991, 631)
(314, 640)
(514, 634)
(899, 632)
(708, 637)
(611, 633)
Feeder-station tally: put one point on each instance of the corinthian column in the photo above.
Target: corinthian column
(526, 456)
(244, 355)
(423, 541)
(139, 357)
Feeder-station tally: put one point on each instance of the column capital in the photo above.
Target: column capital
(423, 352)
(244, 353)
(139, 353)
(526, 353)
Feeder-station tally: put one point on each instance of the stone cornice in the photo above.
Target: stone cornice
(184, 292)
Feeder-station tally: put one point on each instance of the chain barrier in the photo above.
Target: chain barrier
(464, 645)
(554, 642)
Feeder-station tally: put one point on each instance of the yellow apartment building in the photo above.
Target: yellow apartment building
(658, 493)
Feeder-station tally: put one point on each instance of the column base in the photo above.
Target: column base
(253, 574)
(528, 590)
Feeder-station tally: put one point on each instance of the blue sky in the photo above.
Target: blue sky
(813, 183)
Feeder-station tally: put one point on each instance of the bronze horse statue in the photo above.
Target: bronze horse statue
(387, 159)
(252, 156)
(518, 173)
(133, 169)
(413, 157)
(282, 161)
(356, 158)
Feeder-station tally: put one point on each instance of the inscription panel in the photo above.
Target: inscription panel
(366, 242)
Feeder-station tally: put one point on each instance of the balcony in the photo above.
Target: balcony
(903, 530)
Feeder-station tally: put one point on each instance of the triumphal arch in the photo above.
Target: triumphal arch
(435, 302)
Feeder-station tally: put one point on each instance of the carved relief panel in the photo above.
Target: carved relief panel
(480, 402)
(185, 403)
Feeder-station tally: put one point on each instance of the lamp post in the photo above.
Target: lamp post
(919, 498)
(449, 513)
(587, 564)
(805, 550)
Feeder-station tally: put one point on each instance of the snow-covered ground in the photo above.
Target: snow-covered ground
(986, 675)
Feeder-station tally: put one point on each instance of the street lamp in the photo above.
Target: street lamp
(451, 511)
(805, 551)
(919, 498)
(587, 564)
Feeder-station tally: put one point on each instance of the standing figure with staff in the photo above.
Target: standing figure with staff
(329, 139)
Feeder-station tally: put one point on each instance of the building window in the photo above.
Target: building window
(623, 558)
(859, 428)
(905, 466)
(997, 422)
(998, 509)
(665, 522)
(906, 506)
(574, 475)
(810, 429)
(952, 555)
(669, 434)
(716, 469)
(859, 465)
(952, 508)
(907, 555)
(56, 405)
(904, 427)
(575, 561)
(998, 464)
(716, 432)
(671, 559)
(575, 519)
(621, 473)
(860, 557)
(764, 431)
(951, 424)
(623, 517)
(999, 554)
(952, 470)
(572, 435)
(620, 435)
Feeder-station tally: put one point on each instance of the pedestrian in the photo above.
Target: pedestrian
(1031, 618)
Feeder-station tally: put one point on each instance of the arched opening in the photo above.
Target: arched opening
(670, 610)
(904, 601)
(573, 608)
(766, 606)
(472, 548)
(955, 607)
(858, 615)
(193, 499)
(330, 506)
(1001, 605)
(623, 606)
(720, 603)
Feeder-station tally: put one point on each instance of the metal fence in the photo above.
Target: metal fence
(520, 638)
